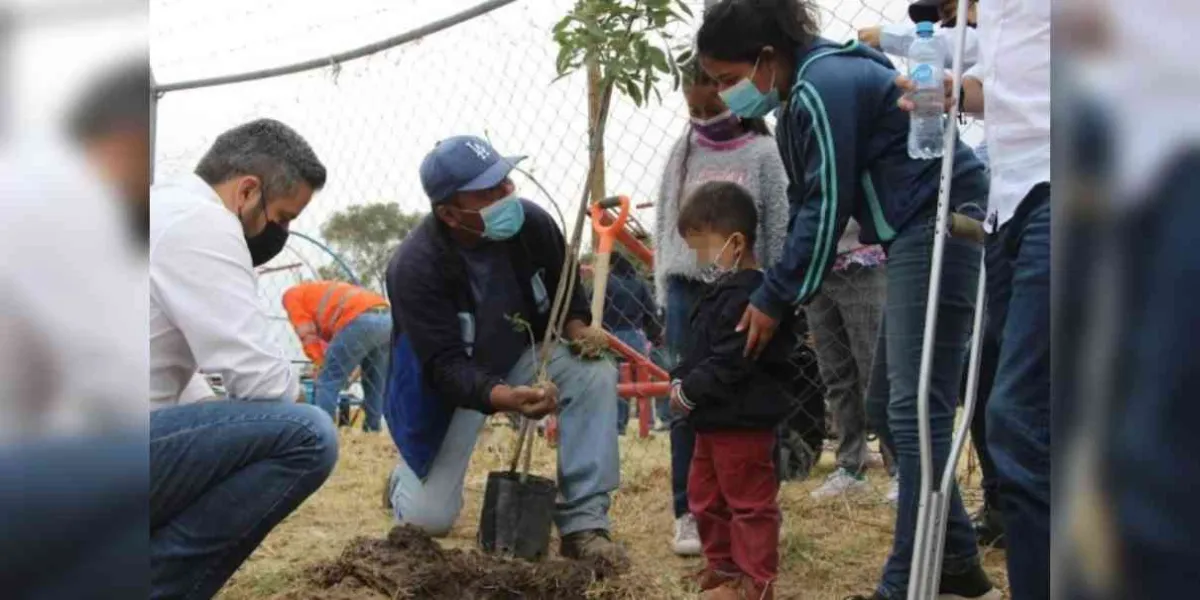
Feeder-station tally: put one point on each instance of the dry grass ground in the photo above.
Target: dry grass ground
(829, 550)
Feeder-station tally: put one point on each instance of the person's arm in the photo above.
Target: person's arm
(946, 37)
(822, 144)
(895, 38)
(662, 224)
(305, 323)
(717, 376)
(422, 310)
(197, 390)
(972, 91)
(773, 205)
(201, 273)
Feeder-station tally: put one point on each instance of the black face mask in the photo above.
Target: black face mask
(267, 243)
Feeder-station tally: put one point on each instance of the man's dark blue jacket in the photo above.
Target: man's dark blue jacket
(432, 372)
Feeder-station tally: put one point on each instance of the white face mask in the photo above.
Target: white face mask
(713, 271)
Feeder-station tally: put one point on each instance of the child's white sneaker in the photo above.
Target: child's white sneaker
(687, 536)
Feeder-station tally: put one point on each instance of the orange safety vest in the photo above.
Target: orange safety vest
(327, 306)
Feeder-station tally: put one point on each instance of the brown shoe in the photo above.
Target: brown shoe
(595, 545)
(742, 588)
(709, 579)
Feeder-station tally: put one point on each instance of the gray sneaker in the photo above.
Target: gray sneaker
(594, 545)
(840, 483)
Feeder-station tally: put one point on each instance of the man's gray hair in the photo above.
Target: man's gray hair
(267, 149)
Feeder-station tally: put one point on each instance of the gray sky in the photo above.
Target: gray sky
(374, 120)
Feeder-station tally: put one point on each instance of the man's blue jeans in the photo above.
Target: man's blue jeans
(909, 261)
(73, 521)
(1018, 411)
(1151, 470)
(364, 342)
(222, 475)
(589, 466)
(682, 296)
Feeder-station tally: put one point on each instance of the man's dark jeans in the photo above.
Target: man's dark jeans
(1018, 409)
(222, 475)
(1152, 467)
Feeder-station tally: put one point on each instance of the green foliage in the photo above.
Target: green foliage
(366, 235)
(520, 325)
(629, 40)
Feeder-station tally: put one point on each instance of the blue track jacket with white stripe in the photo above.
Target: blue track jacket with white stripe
(844, 143)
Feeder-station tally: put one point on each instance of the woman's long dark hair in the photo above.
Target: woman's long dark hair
(738, 30)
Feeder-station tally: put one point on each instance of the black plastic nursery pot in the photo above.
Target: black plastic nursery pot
(517, 516)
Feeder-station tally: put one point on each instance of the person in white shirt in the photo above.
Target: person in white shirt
(73, 351)
(1010, 86)
(895, 38)
(223, 474)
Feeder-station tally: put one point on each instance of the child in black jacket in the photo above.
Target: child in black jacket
(734, 402)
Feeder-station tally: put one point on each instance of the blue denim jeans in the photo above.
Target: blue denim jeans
(222, 475)
(909, 261)
(364, 342)
(682, 296)
(1151, 470)
(1018, 411)
(636, 339)
(589, 466)
(878, 396)
(74, 517)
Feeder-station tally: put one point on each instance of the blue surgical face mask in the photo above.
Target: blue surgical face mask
(503, 218)
(744, 99)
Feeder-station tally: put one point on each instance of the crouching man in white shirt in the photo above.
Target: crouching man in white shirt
(223, 474)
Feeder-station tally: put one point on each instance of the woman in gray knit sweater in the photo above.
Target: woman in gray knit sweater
(716, 146)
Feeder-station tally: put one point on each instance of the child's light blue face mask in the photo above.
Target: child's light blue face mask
(744, 99)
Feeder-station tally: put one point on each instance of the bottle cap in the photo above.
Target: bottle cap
(924, 28)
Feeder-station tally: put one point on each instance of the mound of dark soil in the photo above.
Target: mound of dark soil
(408, 564)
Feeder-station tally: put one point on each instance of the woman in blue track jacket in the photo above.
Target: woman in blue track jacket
(844, 144)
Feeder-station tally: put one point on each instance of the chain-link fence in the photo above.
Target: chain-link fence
(372, 119)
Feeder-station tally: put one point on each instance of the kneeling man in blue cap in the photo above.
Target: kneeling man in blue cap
(482, 258)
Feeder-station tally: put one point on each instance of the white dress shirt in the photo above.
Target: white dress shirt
(1154, 89)
(895, 39)
(1014, 67)
(72, 355)
(205, 313)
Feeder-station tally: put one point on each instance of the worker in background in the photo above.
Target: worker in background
(341, 327)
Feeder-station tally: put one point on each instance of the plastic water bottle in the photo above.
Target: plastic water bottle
(928, 121)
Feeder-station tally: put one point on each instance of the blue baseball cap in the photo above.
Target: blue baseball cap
(463, 163)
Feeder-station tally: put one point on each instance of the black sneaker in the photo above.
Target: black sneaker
(343, 417)
(989, 527)
(971, 585)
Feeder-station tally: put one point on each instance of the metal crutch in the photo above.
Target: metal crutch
(929, 542)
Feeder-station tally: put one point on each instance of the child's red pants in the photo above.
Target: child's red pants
(732, 491)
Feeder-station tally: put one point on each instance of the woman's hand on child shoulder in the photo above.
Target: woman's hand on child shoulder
(760, 328)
